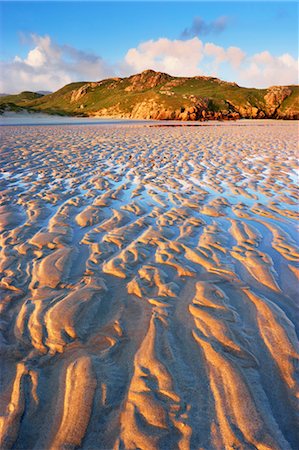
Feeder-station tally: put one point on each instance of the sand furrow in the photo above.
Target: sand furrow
(148, 286)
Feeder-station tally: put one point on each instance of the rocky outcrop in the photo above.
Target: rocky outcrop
(146, 110)
(289, 113)
(151, 110)
(77, 94)
(246, 111)
(147, 79)
(274, 98)
(272, 107)
(198, 113)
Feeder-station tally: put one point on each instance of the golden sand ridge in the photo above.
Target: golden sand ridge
(149, 286)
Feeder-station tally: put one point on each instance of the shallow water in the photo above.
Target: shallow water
(149, 280)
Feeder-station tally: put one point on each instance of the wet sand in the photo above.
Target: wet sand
(149, 281)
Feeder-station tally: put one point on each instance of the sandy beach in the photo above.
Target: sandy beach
(149, 286)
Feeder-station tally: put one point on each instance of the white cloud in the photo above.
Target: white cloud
(264, 70)
(176, 57)
(49, 66)
(216, 52)
(235, 56)
(193, 57)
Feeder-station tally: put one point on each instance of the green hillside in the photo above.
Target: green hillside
(155, 95)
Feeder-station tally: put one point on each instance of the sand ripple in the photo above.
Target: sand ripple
(148, 287)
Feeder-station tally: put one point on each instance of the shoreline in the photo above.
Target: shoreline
(33, 119)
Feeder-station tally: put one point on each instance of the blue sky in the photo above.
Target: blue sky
(102, 33)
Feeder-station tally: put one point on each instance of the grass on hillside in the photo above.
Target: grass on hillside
(110, 93)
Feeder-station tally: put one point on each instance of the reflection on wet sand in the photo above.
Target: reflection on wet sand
(148, 287)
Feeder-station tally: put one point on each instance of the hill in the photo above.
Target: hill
(156, 95)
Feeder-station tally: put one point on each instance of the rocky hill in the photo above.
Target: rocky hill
(156, 95)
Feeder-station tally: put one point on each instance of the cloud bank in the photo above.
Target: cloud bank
(174, 57)
(194, 57)
(49, 66)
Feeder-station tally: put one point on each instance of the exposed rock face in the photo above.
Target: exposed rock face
(79, 93)
(288, 113)
(146, 80)
(275, 96)
(148, 110)
(246, 111)
(271, 107)
(199, 113)
(151, 110)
